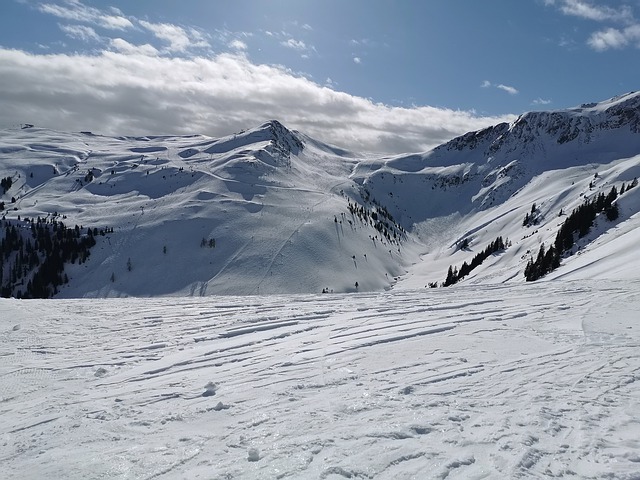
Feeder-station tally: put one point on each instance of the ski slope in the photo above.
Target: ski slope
(470, 382)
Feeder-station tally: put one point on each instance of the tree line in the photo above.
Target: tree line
(454, 274)
(33, 254)
(5, 184)
(578, 223)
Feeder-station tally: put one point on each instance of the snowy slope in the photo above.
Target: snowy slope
(289, 214)
(482, 185)
(270, 198)
(467, 383)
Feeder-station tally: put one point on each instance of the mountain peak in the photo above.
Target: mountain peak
(282, 136)
(281, 140)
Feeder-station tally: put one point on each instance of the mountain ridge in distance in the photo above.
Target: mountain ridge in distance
(289, 214)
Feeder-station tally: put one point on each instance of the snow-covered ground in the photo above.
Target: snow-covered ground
(519, 381)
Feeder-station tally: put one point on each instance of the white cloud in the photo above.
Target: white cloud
(294, 44)
(612, 38)
(127, 93)
(178, 38)
(238, 45)
(298, 45)
(80, 32)
(114, 22)
(76, 11)
(363, 42)
(633, 34)
(357, 60)
(128, 48)
(589, 11)
(225, 38)
(288, 41)
(541, 101)
(330, 83)
(510, 90)
(606, 39)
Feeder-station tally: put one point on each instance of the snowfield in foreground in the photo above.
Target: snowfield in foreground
(529, 381)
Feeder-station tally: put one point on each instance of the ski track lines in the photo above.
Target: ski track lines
(494, 382)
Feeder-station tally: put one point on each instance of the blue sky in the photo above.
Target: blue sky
(364, 74)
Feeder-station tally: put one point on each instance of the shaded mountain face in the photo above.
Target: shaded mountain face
(270, 210)
(582, 124)
(487, 166)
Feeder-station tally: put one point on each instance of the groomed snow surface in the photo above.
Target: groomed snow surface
(520, 381)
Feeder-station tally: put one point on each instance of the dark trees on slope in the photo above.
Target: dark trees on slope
(579, 222)
(33, 255)
(5, 184)
(454, 275)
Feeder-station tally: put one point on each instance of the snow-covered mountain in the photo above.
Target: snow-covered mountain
(483, 184)
(492, 378)
(270, 210)
(273, 203)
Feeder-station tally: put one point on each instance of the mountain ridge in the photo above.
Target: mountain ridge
(290, 214)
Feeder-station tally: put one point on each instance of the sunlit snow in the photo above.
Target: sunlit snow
(479, 382)
(221, 359)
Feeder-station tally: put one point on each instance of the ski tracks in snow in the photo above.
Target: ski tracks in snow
(481, 382)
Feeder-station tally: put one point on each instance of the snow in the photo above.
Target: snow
(268, 199)
(465, 382)
(276, 203)
(224, 360)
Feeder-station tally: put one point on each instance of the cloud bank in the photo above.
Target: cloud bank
(176, 83)
(133, 90)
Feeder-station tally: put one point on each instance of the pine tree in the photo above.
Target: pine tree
(451, 278)
(612, 212)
